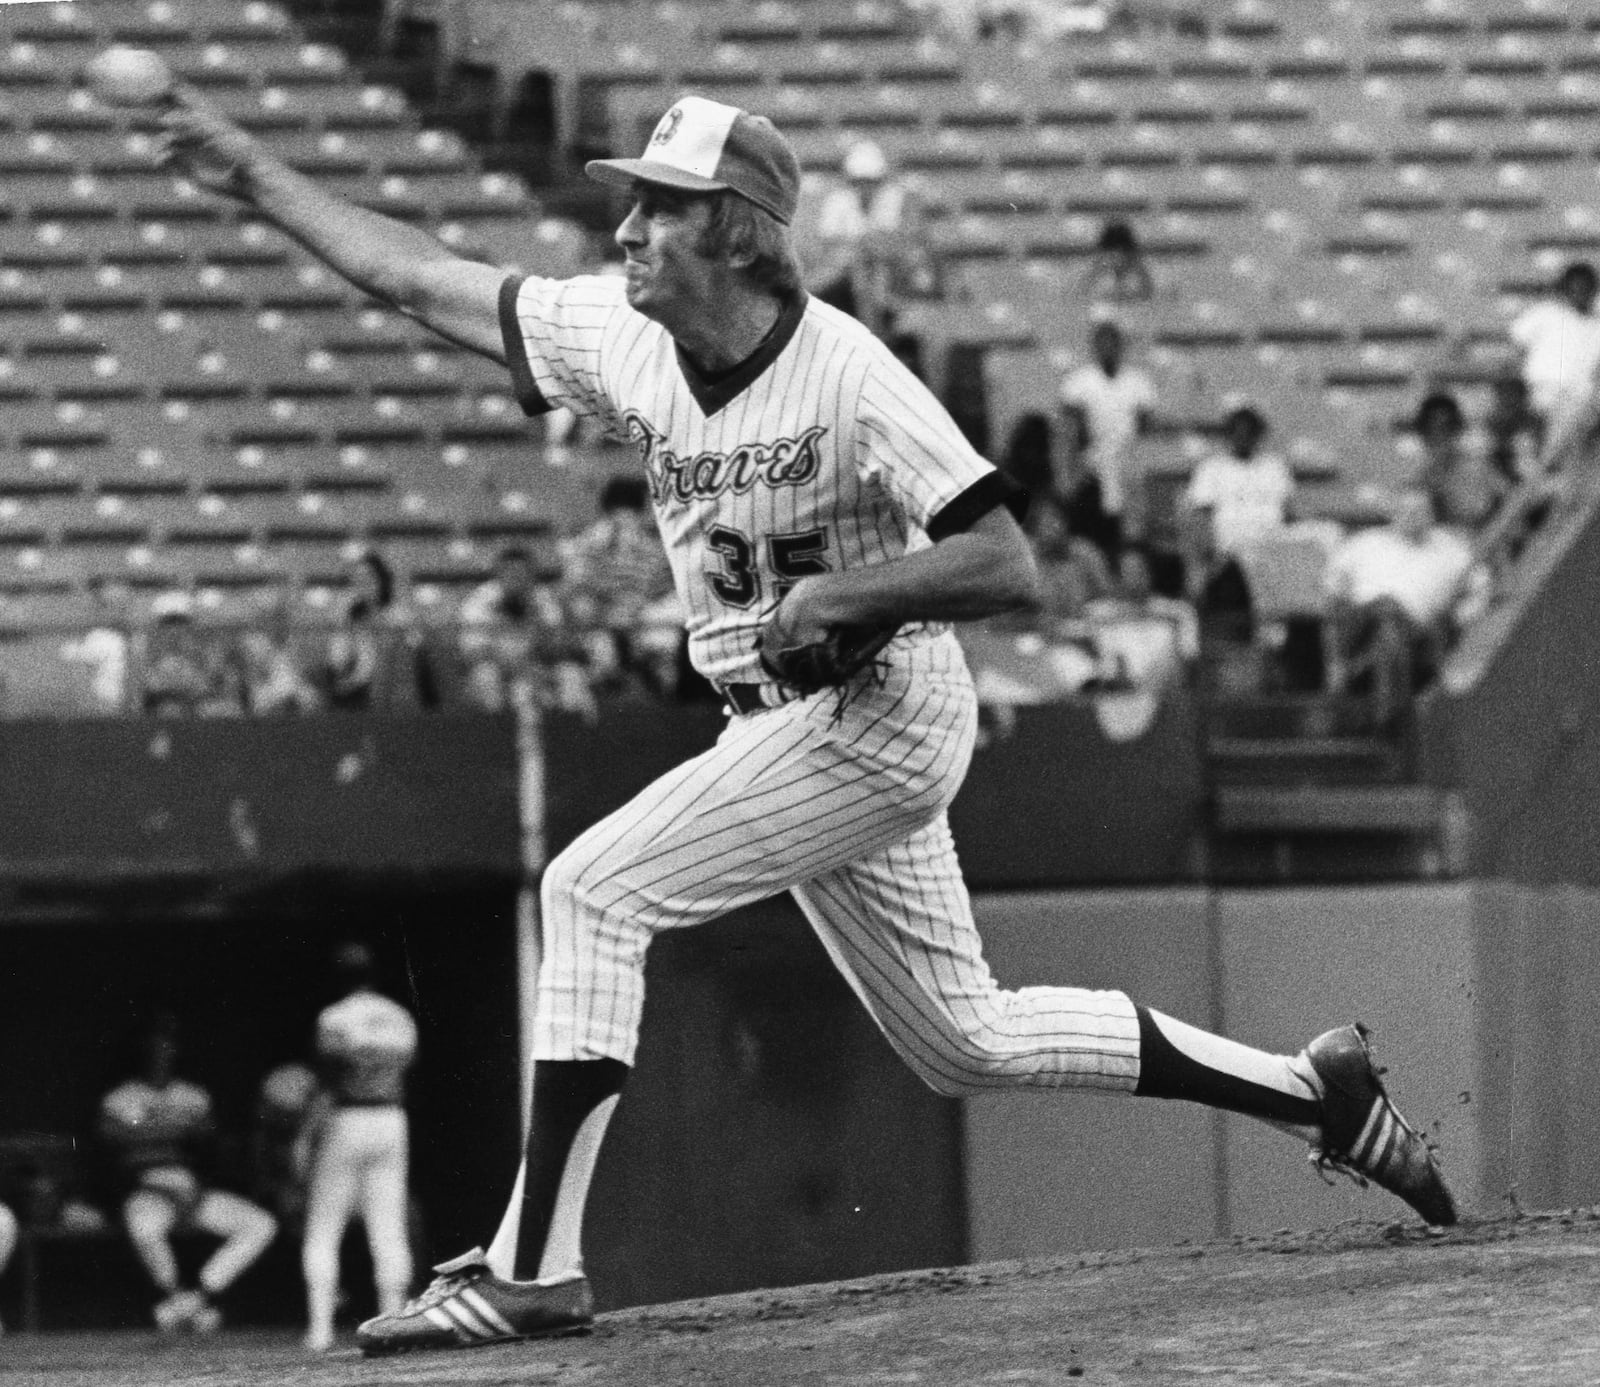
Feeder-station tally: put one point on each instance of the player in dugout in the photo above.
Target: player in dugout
(153, 1124)
(366, 1043)
(814, 499)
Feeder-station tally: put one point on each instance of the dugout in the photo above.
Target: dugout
(207, 869)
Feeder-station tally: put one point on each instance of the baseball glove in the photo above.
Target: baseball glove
(828, 663)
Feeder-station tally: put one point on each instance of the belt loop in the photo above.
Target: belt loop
(752, 698)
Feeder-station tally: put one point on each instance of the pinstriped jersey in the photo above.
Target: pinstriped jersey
(821, 452)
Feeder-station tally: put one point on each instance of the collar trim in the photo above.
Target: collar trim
(715, 391)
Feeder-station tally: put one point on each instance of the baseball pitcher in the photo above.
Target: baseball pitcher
(826, 522)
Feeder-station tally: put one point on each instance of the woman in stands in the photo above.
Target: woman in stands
(374, 661)
(1456, 469)
(1118, 273)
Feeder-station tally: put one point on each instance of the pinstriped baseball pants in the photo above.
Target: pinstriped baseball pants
(848, 813)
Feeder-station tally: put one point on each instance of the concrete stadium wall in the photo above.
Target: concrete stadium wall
(250, 801)
(1514, 727)
(1475, 994)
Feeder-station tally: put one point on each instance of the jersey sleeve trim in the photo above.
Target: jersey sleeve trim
(523, 385)
(990, 490)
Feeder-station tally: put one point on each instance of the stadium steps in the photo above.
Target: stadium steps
(1303, 789)
(1311, 833)
(1330, 760)
(1322, 809)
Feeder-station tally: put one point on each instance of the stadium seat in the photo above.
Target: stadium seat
(30, 570)
(453, 562)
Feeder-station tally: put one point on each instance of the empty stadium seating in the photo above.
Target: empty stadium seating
(189, 398)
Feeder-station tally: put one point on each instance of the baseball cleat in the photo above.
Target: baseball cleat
(177, 1313)
(467, 1306)
(205, 1318)
(1363, 1134)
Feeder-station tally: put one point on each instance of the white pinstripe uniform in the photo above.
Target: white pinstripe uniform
(821, 452)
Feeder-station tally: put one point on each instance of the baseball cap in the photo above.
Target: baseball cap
(703, 146)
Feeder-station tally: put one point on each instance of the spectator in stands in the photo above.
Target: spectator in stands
(1515, 432)
(1397, 596)
(154, 1126)
(274, 683)
(1116, 402)
(1456, 470)
(1028, 457)
(1118, 272)
(516, 642)
(1234, 498)
(871, 247)
(1073, 569)
(618, 580)
(1016, 21)
(1239, 494)
(1072, 572)
(1560, 342)
(185, 675)
(374, 660)
(1077, 485)
(103, 648)
(1150, 641)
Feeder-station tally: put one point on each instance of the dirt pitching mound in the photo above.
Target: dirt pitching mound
(1494, 1301)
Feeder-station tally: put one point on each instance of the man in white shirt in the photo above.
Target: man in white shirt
(1115, 401)
(1242, 494)
(1560, 342)
(867, 250)
(1397, 595)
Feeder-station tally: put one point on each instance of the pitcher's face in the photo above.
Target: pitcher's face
(660, 239)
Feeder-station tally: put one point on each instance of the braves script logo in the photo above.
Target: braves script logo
(705, 476)
(668, 127)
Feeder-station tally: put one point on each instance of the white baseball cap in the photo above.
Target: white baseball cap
(703, 146)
